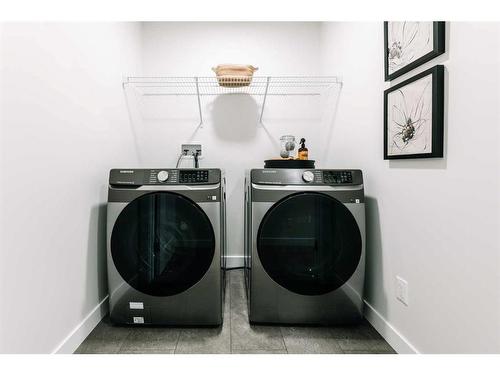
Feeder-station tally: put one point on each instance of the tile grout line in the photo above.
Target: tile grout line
(284, 342)
(121, 346)
(123, 342)
(177, 342)
(230, 316)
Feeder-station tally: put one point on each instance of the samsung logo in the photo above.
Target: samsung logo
(269, 171)
(126, 171)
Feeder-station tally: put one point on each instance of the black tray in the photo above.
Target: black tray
(289, 163)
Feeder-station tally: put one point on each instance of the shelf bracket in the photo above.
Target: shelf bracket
(199, 100)
(264, 99)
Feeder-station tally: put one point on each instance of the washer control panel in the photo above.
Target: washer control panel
(160, 176)
(163, 176)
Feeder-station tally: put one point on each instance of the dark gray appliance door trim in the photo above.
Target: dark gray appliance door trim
(199, 194)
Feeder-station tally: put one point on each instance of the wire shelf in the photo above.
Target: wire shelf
(209, 86)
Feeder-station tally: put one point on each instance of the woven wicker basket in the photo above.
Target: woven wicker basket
(230, 75)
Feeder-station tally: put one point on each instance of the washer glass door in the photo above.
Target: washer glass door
(309, 243)
(162, 243)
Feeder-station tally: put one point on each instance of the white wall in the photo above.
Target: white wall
(231, 137)
(433, 222)
(63, 125)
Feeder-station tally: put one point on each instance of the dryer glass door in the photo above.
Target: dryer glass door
(309, 243)
(162, 243)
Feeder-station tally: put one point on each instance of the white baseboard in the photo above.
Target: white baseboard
(233, 261)
(395, 339)
(82, 330)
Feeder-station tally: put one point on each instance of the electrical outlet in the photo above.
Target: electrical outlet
(191, 149)
(402, 290)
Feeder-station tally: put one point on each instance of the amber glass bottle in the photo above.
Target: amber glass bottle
(303, 152)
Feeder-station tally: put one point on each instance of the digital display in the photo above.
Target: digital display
(193, 176)
(337, 177)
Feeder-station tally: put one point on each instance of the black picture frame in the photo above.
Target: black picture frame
(438, 49)
(437, 122)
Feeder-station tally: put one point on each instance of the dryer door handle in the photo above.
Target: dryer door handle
(307, 187)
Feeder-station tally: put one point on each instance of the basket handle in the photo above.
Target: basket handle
(251, 67)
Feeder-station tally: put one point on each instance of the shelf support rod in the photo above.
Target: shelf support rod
(199, 100)
(264, 100)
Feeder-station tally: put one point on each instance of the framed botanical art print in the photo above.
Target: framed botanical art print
(410, 44)
(414, 116)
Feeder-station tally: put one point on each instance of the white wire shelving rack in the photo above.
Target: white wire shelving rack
(260, 86)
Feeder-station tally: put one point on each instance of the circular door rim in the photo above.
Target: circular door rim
(269, 209)
(207, 215)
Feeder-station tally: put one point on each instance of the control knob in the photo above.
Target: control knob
(162, 176)
(308, 176)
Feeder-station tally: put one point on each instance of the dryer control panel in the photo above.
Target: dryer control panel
(164, 176)
(316, 177)
(337, 177)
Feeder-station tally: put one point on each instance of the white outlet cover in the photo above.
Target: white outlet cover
(402, 290)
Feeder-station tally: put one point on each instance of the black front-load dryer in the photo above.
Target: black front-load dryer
(304, 245)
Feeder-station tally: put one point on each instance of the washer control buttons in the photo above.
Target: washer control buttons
(308, 176)
(162, 176)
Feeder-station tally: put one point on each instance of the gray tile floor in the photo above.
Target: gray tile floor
(235, 335)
